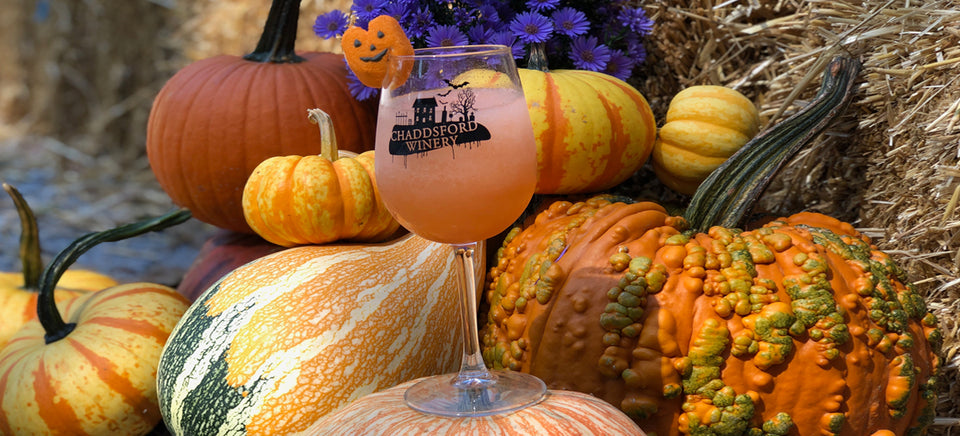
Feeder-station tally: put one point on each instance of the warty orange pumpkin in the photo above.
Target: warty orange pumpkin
(280, 342)
(799, 327)
(560, 413)
(89, 366)
(216, 119)
(19, 290)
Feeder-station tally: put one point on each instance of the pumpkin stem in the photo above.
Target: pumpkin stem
(730, 191)
(328, 138)
(279, 34)
(538, 57)
(47, 311)
(29, 240)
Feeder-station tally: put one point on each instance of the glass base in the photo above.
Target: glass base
(505, 391)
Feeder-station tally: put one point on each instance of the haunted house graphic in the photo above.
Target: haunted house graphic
(428, 131)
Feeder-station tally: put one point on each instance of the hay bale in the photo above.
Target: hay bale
(890, 165)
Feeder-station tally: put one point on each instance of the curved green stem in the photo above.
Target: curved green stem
(730, 191)
(29, 240)
(279, 34)
(47, 311)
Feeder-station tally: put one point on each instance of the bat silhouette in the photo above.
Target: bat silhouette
(445, 93)
(461, 85)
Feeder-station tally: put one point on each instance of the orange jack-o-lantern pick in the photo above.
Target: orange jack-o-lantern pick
(368, 51)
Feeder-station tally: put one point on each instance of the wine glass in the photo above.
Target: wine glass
(456, 163)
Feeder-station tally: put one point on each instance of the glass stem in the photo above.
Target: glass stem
(473, 371)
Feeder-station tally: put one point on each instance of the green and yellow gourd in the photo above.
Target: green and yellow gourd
(693, 326)
(281, 342)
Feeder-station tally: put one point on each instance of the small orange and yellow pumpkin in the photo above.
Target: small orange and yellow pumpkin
(299, 200)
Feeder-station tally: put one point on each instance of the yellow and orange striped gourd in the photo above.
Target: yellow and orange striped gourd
(593, 130)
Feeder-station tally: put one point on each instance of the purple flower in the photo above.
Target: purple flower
(419, 22)
(479, 34)
(570, 22)
(542, 5)
(531, 27)
(510, 40)
(636, 20)
(366, 10)
(331, 24)
(446, 35)
(620, 65)
(358, 90)
(587, 54)
(398, 10)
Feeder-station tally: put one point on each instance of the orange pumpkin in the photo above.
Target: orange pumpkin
(89, 366)
(216, 119)
(19, 291)
(284, 340)
(560, 413)
(368, 50)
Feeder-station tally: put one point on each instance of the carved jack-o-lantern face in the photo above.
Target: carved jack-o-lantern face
(368, 51)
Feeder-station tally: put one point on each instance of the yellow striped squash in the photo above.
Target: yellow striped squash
(561, 413)
(593, 130)
(284, 340)
(705, 125)
(101, 379)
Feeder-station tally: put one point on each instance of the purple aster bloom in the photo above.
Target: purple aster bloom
(366, 10)
(419, 22)
(510, 40)
(636, 20)
(570, 22)
(398, 10)
(488, 13)
(358, 90)
(542, 5)
(463, 17)
(479, 34)
(637, 51)
(531, 27)
(331, 24)
(446, 35)
(620, 65)
(587, 54)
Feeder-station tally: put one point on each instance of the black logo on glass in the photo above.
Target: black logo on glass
(427, 130)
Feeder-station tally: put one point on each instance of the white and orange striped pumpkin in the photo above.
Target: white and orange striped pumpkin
(561, 413)
(283, 341)
(101, 379)
(593, 130)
